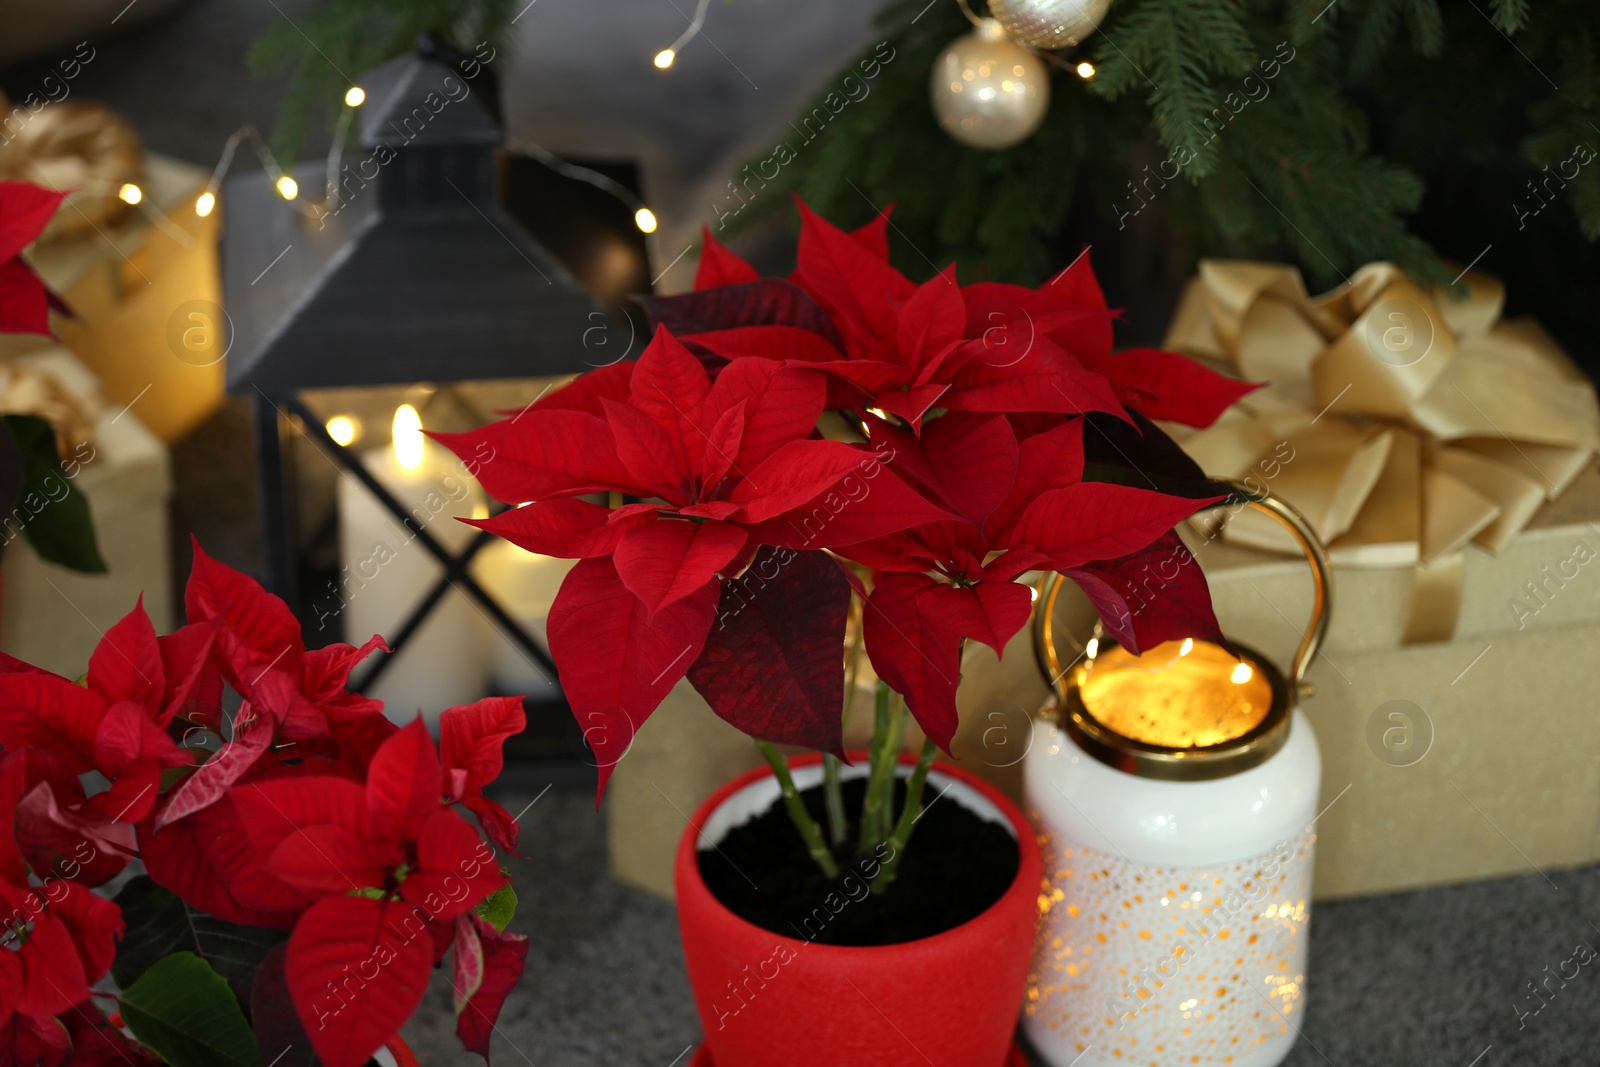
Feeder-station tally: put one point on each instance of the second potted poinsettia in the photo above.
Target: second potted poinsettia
(851, 908)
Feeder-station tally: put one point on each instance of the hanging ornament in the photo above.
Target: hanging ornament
(988, 91)
(1049, 24)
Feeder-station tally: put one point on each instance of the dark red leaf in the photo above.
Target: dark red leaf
(772, 664)
(764, 302)
(1156, 594)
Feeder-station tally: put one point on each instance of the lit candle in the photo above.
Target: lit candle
(386, 573)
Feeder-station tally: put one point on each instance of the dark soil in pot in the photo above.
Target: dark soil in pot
(955, 866)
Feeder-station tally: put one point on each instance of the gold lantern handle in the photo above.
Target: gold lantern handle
(1044, 644)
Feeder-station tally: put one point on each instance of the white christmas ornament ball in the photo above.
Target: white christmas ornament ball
(1049, 24)
(988, 91)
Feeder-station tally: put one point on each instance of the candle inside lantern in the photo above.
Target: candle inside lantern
(526, 583)
(1188, 695)
(386, 573)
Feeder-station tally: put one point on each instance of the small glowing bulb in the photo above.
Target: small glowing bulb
(204, 203)
(288, 188)
(130, 193)
(1092, 649)
(665, 58)
(355, 96)
(408, 440)
(342, 429)
(645, 219)
(1086, 70)
(1241, 673)
(1187, 646)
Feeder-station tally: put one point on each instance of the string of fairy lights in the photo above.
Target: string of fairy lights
(355, 96)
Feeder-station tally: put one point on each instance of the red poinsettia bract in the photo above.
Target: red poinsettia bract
(722, 468)
(308, 811)
(25, 301)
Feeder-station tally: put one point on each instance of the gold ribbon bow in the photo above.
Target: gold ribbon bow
(85, 150)
(26, 390)
(1403, 423)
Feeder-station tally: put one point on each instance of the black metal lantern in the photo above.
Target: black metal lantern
(410, 282)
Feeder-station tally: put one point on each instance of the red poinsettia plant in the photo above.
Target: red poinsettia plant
(304, 864)
(786, 447)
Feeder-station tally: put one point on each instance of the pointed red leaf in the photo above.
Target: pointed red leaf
(541, 453)
(52, 971)
(357, 969)
(612, 381)
(859, 290)
(24, 300)
(933, 318)
(868, 500)
(1050, 460)
(772, 666)
(913, 628)
(259, 629)
(471, 738)
(975, 458)
(94, 922)
(52, 713)
(794, 474)
(874, 236)
(1156, 594)
(210, 861)
(194, 685)
(454, 871)
(1097, 521)
(780, 405)
(252, 736)
(722, 446)
(669, 388)
(25, 210)
(503, 958)
(126, 664)
(403, 784)
(718, 266)
(616, 662)
(325, 859)
(662, 562)
(1044, 378)
(1166, 385)
(571, 529)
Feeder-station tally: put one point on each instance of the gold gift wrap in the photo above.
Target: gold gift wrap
(146, 299)
(52, 616)
(1404, 423)
(84, 150)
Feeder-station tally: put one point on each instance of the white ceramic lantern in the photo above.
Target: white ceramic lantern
(1174, 795)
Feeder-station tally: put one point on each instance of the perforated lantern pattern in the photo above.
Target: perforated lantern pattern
(1170, 965)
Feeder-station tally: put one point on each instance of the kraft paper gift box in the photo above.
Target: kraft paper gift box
(53, 617)
(146, 296)
(1447, 458)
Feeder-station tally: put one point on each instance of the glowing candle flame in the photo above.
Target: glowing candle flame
(408, 440)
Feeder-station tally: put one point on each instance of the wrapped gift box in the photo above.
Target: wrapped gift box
(53, 617)
(147, 299)
(1447, 761)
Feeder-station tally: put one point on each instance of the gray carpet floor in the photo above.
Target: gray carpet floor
(1437, 977)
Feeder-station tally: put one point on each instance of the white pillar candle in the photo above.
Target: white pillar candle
(525, 583)
(387, 572)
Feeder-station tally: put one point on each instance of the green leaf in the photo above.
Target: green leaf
(160, 924)
(183, 1010)
(51, 511)
(500, 909)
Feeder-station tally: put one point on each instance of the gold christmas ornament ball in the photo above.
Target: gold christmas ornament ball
(1049, 24)
(987, 91)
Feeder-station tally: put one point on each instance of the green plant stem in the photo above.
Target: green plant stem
(877, 808)
(908, 816)
(833, 793)
(810, 832)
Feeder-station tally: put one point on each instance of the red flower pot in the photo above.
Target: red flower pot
(766, 1000)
